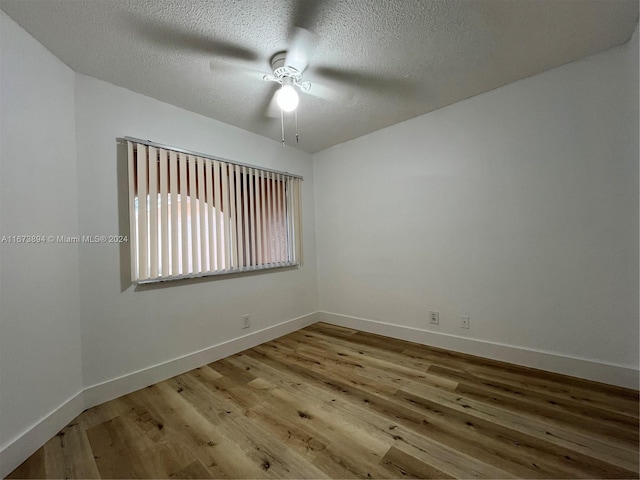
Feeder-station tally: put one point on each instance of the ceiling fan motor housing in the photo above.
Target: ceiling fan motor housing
(281, 70)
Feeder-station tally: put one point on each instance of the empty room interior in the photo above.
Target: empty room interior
(319, 239)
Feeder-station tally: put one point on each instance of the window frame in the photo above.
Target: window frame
(282, 187)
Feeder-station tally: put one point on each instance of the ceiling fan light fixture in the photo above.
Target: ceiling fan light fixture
(287, 98)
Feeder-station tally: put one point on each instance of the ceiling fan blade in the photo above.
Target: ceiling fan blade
(302, 45)
(367, 81)
(169, 36)
(273, 110)
(325, 92)
(236, 68)
(305, 13)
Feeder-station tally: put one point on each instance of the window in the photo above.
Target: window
(193, 215)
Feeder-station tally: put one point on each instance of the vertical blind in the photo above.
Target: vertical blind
(194, 216)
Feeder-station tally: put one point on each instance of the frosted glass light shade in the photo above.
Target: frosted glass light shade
(287, 98)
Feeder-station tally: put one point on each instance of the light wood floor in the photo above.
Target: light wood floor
(332, 402)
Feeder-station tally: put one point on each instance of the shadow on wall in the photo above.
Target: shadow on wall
(122, 158)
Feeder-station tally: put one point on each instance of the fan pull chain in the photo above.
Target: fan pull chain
(282, 125)
(296, 111)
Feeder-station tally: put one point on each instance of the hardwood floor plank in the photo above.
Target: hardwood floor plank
(33, 467)
(401, 415)
(77, 453)
(333, 331)
(448, 460)
(596, 398)
(372, 340)
(551, 465)
(229, 417)
(115, 452)
(613, 424)
(187, 428)
(328, 358)
(332, 402)
(159, 456)
(603, 426)
(408, 466)
(319, 340)
(558, 435)
(548, 379)
(53, 457)
(608, 397)
(231, 372)
(550, 454)
(193, 470)
(290, 416)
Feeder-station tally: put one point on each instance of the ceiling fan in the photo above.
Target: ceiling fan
(287, 69)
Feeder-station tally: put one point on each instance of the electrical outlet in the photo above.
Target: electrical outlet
(464, 322)
(246, 321)
(434, 318)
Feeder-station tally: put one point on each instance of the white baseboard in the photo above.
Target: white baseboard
(105, 391)
(577, 367)
(18, 450)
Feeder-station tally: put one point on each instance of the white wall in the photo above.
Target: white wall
(40, 351)
(518, 208)
(126, 329)
(74, 332)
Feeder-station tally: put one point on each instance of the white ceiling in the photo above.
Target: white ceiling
(391, 59)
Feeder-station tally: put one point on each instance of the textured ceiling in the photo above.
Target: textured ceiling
(389, 60)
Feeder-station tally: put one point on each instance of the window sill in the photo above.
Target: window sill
(261, 268)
